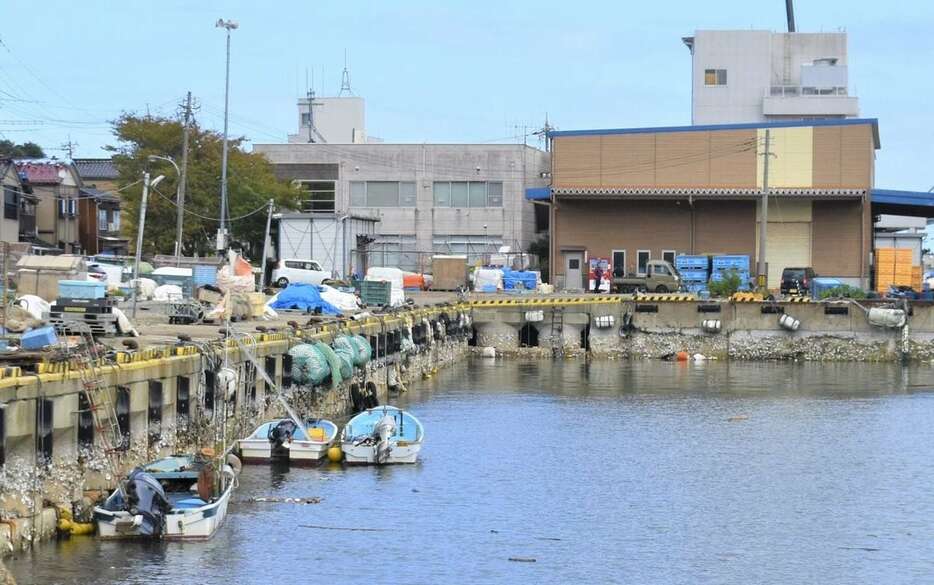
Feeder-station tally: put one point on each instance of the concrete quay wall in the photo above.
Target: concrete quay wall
(655, 326)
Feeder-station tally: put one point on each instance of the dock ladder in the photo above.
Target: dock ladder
(86, 361)
(557, 331)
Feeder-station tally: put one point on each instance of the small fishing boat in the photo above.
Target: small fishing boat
(381, 436)
(183, 497)
(283, 440)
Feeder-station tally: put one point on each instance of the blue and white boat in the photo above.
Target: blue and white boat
(283, 440)
(381, 436)
(176, 498)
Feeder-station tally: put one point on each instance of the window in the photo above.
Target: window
(660, 269)
(10, 203)
(155, 411)
(383, 194)
(306, 119)
(642, 259)
(394, 250)
(669, 256)
(182, 401)
(317, 196)
(101, 220)
(474, 247)
(619, 263)
(123, 415)
(72, 207)
(62, 207)
(116, 220)
(574, 264)
(44, 428)
(468, 194)
(85, 423)
(715, 77)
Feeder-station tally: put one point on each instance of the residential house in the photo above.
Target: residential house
(56, 186)
(99, 207)
(12, 192)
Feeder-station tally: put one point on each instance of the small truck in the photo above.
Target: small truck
(660, 277)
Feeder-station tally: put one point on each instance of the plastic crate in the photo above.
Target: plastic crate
(38, 338)
(693, 275)
(82, 289)
(376, 292)
(685, 262)
(721, 263)
(718, 276)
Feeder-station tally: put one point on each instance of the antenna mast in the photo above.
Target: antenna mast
(345, 78)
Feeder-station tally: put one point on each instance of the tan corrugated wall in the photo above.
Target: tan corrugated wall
(836, 238)
(725, 227)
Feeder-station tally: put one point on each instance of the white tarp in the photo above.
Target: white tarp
(487, 278)
(35, 306)
(395, 277)
(172, 271)
(168, 292)
(346, 302)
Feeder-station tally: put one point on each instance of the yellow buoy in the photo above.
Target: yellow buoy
(335, 454)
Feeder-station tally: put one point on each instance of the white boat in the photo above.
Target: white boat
(382, 435)
(282, 440)
(176, 498)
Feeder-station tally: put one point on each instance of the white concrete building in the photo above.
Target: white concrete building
(757, 75)
(428, 198)
(337, 120)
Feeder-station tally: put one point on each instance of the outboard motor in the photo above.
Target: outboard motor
(280, 435)
(146, 501)
(384, 430)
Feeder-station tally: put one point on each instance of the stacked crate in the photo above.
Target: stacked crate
(694, 271)
(727, 263)
(894, 267)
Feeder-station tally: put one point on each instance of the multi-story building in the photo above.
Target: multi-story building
(758, 76)
(56, 185)
(428, 198)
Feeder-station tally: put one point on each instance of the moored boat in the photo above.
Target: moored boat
(283, 440)
(382, 435)
(183, 497)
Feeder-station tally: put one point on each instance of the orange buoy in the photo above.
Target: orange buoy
(683, 356)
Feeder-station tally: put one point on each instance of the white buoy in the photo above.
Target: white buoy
(788, 322)
(488, 352)
(711, 325)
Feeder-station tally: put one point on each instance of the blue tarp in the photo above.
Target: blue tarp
(512, 277)
(304, 297)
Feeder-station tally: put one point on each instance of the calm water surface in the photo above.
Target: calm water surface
(609, 472)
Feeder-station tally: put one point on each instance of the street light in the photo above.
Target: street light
(179, 205)
(229, 25)
(139, 232)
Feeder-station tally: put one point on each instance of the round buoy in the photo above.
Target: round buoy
(335, 454)
(683, 356)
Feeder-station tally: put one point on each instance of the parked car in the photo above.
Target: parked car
(797, 281)
(660, 276)
(295, 270)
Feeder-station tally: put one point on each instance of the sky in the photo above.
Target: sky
(448, 71)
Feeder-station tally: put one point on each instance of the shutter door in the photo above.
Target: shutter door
(789, 245)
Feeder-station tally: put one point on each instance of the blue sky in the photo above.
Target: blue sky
(450, 71)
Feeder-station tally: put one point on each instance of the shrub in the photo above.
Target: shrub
(843, 291)
(726, 286)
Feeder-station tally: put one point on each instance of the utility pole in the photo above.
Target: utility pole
(139, 237)
(262, 273)
(181, 186)
(229, 25)
(763, 277)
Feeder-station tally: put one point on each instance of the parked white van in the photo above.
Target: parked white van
(294, 270)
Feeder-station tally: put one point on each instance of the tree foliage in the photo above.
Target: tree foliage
(9, 149)
(250, 185)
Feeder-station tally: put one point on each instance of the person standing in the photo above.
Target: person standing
(597, 278)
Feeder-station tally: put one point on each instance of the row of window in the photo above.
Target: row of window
(108, 220)
(402, 250)
(320, 196)
(68, 208)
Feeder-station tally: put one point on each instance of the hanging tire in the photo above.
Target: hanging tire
(282, 282)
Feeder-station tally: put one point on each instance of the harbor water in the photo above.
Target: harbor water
(601, 472)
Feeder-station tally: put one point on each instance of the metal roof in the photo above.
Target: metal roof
(65, 262)
(96, 168)
(913, 203)
(743, 126)
(718, 192)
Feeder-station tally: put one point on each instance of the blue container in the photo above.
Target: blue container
(685, 262)
(822, 283)
(81, 289)
(718, 276)
(693, 275)
(204, 274)
(38, 338)
(727, 262)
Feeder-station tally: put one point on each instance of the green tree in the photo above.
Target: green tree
(250, 185)
(9, 149)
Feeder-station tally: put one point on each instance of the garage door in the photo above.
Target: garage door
(789, 244)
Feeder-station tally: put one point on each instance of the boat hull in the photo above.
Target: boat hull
(256, 451)
(366, 454)
(194, 524)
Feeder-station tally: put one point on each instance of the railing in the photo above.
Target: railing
(805, 91)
